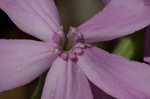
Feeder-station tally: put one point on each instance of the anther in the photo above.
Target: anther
(73, 56)
(60, 31)
(73, 30)
(73, 33)
(58, 51)
(81, 45)
(78, 51)
(80, 38)
(64, 56)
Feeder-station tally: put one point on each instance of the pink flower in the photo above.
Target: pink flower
(21, 61)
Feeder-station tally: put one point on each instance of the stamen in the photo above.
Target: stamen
(60, 31)
(80, 45)
(64, 56)
(74, 33)
(80, 38)
(58, 51)
(70, 46)
(73, 30)
(73, 56)
(78, 51)
(58, 35)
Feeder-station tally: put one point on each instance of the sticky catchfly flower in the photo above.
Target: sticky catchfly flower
(73, 60)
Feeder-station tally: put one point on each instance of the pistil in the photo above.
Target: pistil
(70, 46)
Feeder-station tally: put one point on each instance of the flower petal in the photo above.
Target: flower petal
(66, 81)
(147, 46)
(21, 61)
(116, 75)
(118, 18)
(36, 17)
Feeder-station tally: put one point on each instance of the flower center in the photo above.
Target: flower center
(70, 46)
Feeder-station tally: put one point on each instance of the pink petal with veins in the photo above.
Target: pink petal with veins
(116, 75)
(21, 61)
(118, 18)
(38, 18)
(65, 80)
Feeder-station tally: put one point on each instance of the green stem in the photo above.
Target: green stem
(38, 91)
(131, 47)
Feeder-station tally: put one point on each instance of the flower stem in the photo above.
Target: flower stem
(38, 91)
(132, 46)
